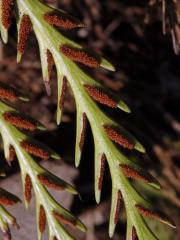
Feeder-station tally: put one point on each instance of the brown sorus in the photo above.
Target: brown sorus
(63, 92)
(134, 234)
(34, 150)
(12, 154)
(134, 174)
(7, 200)
(28, 188)
(62, 20)
(7, 12)
(50, 61)
(151, 214)
(80, 55)
(102, 170)
(118, 207)
(19, 121)
(8, 94)
(83, 132)
(64, 220)
(24, 30)
(42, 219)
(100, 96)
(49, 183)
(117, 137)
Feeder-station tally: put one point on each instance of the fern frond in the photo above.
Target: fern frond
(109, 137)
(171, 21)
(34, 176)
(6, 219)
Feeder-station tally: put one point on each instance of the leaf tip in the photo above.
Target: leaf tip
(123, 106)
(139, 147)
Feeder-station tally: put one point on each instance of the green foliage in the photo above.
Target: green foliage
(64, 53)
(6, 218)
(33, 174)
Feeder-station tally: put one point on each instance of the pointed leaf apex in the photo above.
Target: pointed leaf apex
(156, 185)
(107, 65)
(111, 230)
(19, 57)
(156, 215)
(4, 36)
(139, 174)
(98, 196)
(2, 173)
(58, 120)
(55, 156)
(139, 147)
(22, 98)
(82, 227)
(73, 191)
(77, 162)
(123, 106)
(41, 127)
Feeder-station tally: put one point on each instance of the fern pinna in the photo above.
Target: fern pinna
(34, 176)
(109, 137)
(6, 219)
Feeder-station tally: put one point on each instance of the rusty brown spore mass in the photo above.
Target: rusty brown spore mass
(80, 56)
(24, 30)
(7, 6)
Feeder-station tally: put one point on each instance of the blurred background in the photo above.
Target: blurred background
(129, 34)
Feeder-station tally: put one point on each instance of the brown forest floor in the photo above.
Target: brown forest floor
(147, 77)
